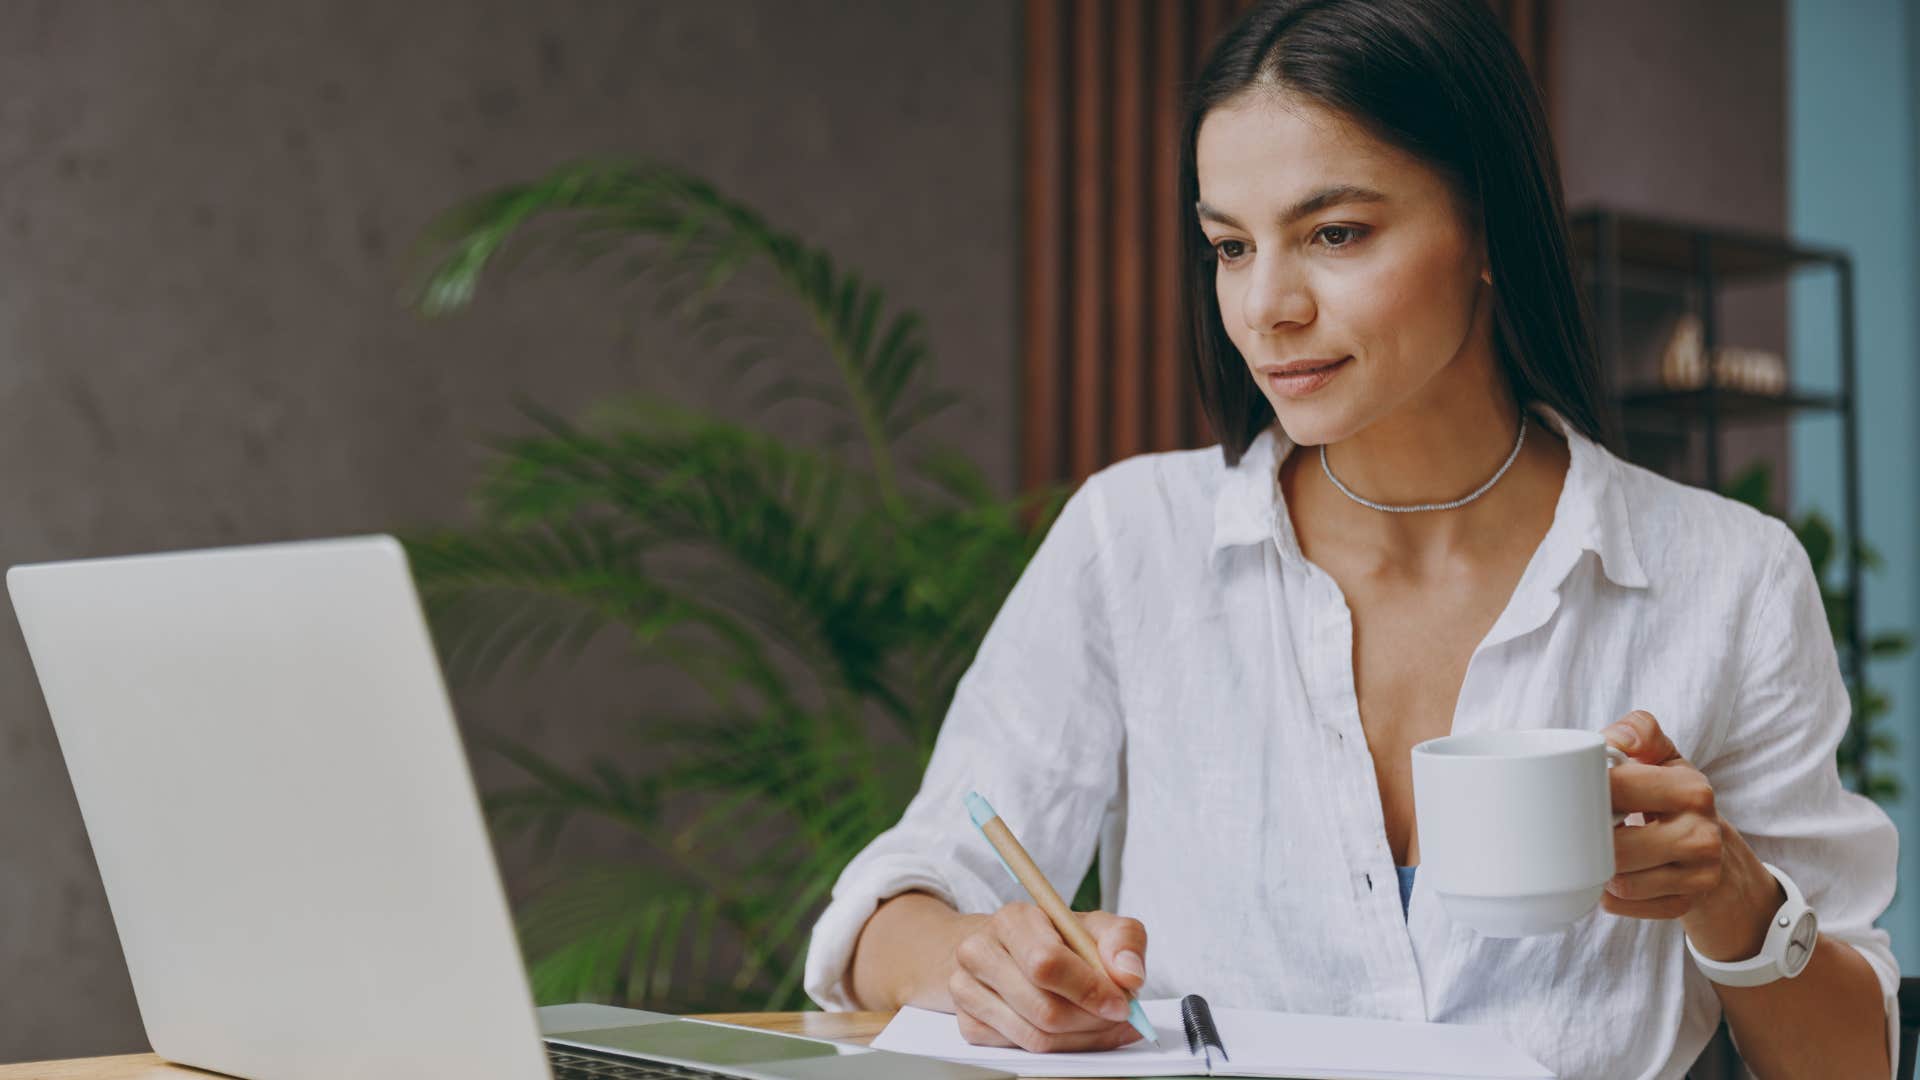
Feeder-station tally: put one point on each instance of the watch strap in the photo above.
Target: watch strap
(1768, 965)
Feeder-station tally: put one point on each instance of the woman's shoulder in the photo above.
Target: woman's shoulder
(1682, 532)
(1197, 472)
(1170, 494)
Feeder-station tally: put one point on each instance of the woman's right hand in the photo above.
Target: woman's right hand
(1016, 982)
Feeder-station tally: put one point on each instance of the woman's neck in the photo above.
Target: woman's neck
(1422, 456)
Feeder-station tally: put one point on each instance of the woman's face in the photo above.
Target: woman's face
(1332, 246)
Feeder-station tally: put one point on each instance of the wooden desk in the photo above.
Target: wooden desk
(853, 1027)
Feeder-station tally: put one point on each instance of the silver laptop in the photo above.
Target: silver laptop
(269, 771)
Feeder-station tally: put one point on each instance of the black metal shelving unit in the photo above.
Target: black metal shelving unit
(1611, 244)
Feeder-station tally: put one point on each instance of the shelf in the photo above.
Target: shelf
(1655, 244)
(1734, 405)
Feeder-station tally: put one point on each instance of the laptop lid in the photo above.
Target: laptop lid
(267, 765)
(270, 775)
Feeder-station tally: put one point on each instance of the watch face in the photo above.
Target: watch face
(1806, 933)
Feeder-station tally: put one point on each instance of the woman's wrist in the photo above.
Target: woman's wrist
(905, 953)
(930, 989)
(1730, 923)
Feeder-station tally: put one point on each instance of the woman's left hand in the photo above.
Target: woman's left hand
(1686, 862)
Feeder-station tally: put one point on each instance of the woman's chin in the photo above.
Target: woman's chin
(1312, 424)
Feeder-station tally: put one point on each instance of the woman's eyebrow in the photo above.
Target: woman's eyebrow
(1314, 203)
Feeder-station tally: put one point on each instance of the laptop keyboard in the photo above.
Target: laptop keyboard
(572, 1065)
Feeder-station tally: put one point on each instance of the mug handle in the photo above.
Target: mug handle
(1616, 756)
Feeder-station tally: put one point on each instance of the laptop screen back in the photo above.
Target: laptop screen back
(270, 776)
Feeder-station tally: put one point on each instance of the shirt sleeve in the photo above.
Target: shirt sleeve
(1034, 727)
(1776, 781)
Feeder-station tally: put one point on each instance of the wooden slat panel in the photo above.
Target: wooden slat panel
(1172, 34)
(1127, 428)
(1528, 25)
(1223, 14)
(1086, 398)
(1537, 47)
(1044, 268)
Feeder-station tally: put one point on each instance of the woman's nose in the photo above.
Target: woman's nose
(1276, 296)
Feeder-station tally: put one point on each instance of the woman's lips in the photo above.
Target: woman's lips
(1306, 382)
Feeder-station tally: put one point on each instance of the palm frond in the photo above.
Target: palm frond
(806, 590)
(825, 558)
(621, 934)
(697, 229)
(554, 792)
(495, 594)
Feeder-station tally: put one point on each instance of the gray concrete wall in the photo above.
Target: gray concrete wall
(1674, 109)
(204, 207)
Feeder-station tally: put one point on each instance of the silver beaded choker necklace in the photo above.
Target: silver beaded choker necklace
(1429, 506)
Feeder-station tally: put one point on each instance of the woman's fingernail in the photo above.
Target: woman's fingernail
(1114, 1010)
(1129, 962)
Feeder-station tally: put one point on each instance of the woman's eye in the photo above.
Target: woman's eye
(1333, 238)
(1348, 235)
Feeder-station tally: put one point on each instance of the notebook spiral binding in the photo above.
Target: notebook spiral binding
(1198, 1020)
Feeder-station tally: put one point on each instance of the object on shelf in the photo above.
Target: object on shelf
(1683, 364)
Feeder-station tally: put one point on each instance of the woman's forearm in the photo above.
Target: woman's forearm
(905, 953)
(1828, 1022)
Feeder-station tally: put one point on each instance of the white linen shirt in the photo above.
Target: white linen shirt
(1171, 678)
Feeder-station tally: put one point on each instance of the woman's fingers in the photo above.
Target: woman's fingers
(1016, 977)
(1047, 1011)
(1680, 855)
(1688, 840)
(1667, 907)
(1639, 735)
(1686, 880)
(986, 1019)
(1123, 946)
(1660, 789)
(1048, 964)
(1051, 967)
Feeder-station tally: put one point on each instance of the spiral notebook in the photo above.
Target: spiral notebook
(1196, 1040)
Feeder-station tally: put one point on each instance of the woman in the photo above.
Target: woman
(1218, 660)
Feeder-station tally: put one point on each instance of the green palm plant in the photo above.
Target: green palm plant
(825, 597)
(1754, 487)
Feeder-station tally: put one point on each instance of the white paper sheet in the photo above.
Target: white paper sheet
(1259, 1043)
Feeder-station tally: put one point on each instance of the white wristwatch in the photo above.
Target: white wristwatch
(1789, 945)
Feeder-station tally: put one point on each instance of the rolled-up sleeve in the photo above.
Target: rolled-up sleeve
(1776, 781)
(1034, 726)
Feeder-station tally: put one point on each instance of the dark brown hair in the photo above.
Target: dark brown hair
(1440, 80)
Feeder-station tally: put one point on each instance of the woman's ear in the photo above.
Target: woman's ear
(1486, 276)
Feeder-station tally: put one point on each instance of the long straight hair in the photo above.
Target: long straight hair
(1440, 80)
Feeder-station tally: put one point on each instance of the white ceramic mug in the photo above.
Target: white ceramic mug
(1516, 827)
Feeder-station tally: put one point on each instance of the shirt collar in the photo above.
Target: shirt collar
(1592, 513)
